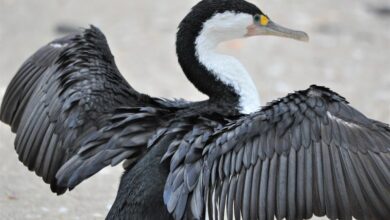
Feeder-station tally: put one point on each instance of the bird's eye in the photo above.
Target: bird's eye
(261, 19)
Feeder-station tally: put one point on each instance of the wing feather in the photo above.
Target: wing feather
(25, 83)
(368, 192)
(61, 93)
(271, 191)
(341, 185)
(255, 190)
(262, 210)
(291, 184)
(318, 184)
(308, 153)
(281, 199)
(308, 183)
(300, 190)
(330, 198)
(247, 193)
(239, 194)
(223, 197)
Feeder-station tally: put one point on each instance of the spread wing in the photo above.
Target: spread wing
(125, 138)
(308, 153)
(130, 130)
(60, 93)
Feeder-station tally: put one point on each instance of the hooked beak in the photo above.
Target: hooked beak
(274, 29)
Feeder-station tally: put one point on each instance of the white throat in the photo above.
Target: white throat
(219, 28)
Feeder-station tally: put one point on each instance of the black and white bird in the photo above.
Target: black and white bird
(309, 153)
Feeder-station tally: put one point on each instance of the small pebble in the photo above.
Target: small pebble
(63, 210)
(44, 209)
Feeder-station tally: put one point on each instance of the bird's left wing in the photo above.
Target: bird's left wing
(308, 153)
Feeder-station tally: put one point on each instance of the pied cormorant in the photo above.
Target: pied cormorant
(226, 157)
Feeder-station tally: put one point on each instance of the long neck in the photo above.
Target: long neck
(219, 76)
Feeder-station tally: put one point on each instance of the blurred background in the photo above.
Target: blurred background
(349, 52)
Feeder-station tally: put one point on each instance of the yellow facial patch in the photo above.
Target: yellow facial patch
(263, 20)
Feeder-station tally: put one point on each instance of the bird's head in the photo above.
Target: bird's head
(222, 20)
(219, 76)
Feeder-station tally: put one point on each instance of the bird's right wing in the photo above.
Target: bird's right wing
(60, 94)
(130, 130)
(307, 153)
(125, 138)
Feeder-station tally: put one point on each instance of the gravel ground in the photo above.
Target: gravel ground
(349, 52)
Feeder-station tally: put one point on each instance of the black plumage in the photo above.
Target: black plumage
(332, 177)
(65, 90)
(306, 154)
